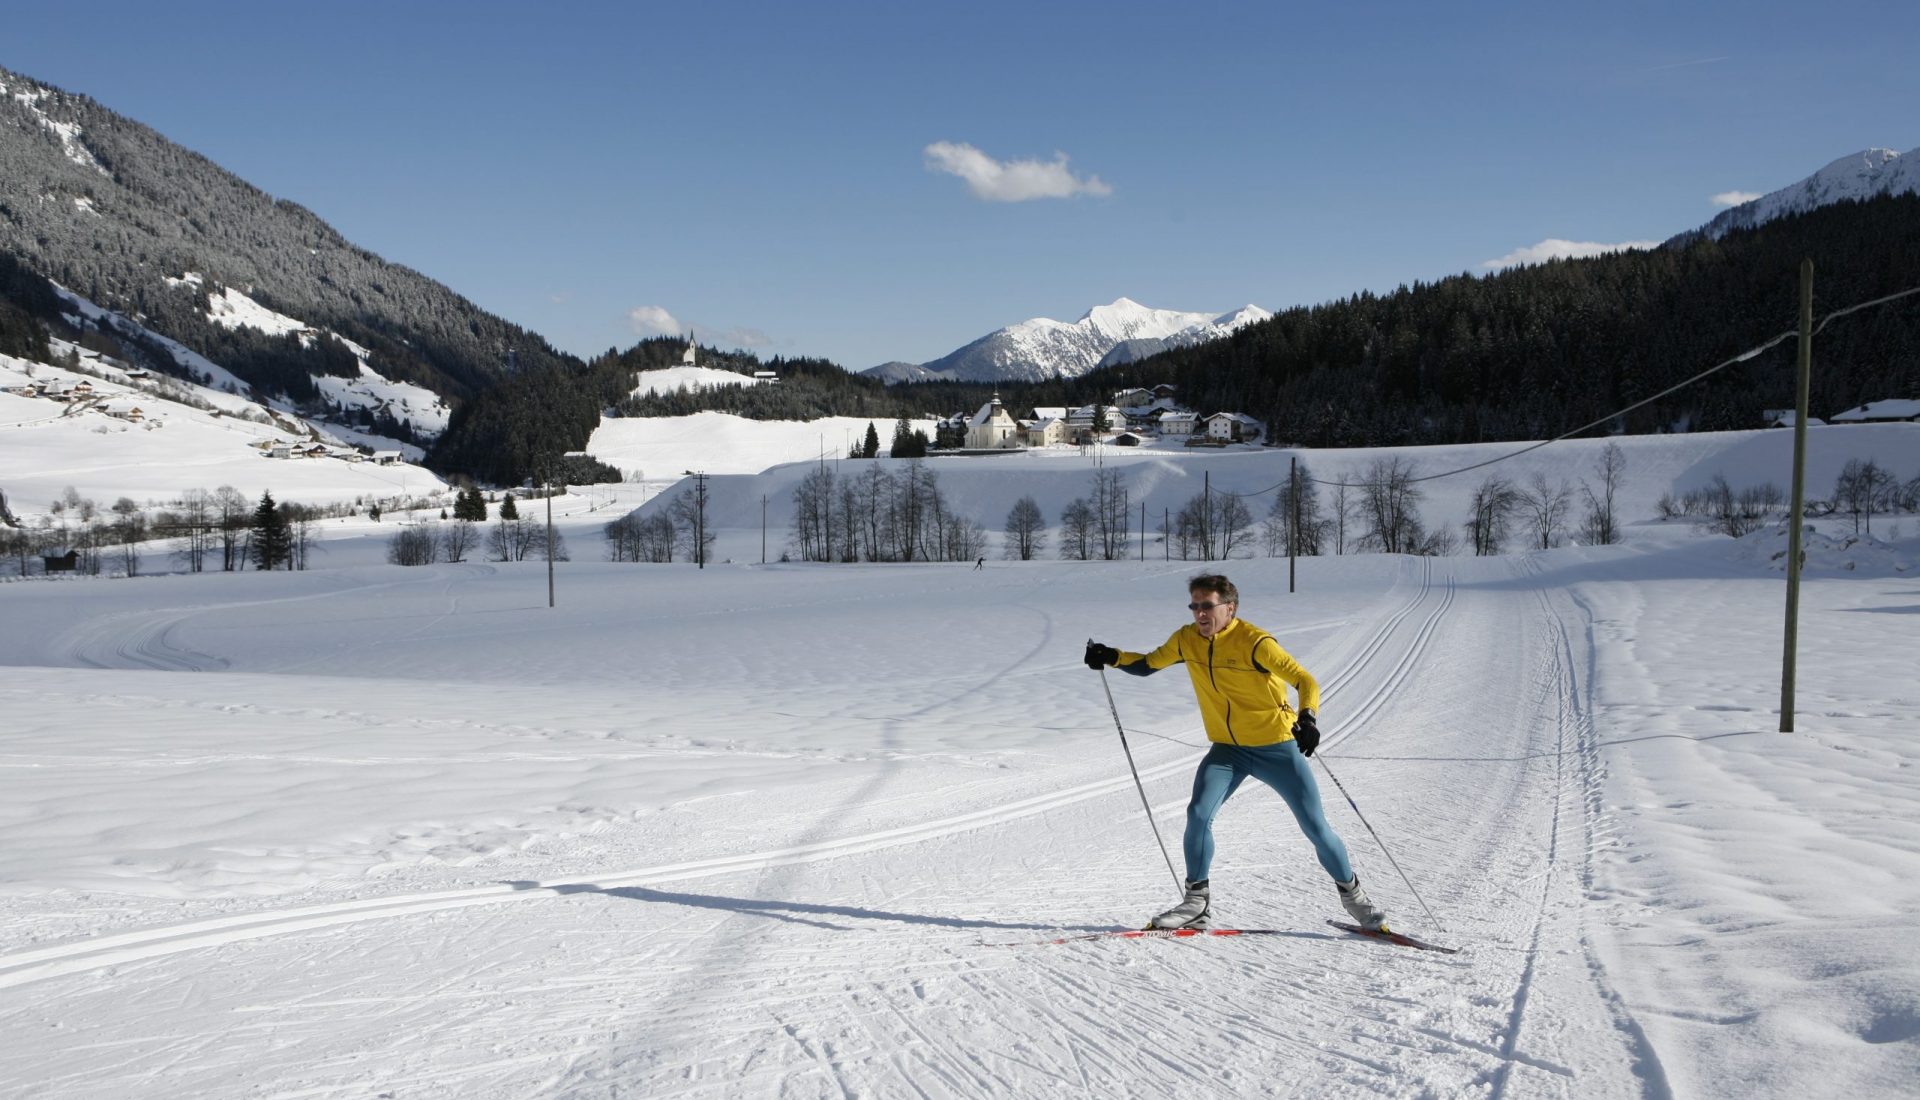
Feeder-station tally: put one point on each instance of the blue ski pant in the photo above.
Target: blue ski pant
(1279, 766)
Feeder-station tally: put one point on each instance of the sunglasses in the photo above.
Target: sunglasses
(1204, 606)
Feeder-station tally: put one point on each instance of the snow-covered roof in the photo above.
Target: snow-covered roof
(988, 411)
(1890, 409)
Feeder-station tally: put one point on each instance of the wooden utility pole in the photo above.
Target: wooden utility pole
(1143, 530)
(1293, 514)
(1206, 514)
(763, 528)
(1799, 495)
(548, 486)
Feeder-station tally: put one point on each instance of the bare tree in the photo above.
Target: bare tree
(812, 512)
(195, 524)
(456, 539)
(413, 544)
(1390, 506)
(234, 514)
(1601, 526)
(1076, 531)
(1026, 530)
(1232, 524)
(1494, 504)
(1111, 512)
(516, 539)
(1343, 509)
(130, 531)
(1863, 488)
(1545, 505)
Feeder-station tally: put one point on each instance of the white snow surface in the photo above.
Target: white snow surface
(722, 443)
(806, 830)
(675, 379)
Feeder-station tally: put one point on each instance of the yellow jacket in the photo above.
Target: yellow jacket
(1240, 676)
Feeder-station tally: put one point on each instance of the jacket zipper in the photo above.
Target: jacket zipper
(1228, 717)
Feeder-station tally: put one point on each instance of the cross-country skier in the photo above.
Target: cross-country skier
(1240, 675)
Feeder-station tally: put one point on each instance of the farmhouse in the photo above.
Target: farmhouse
(1178, 422)
(1233, 427)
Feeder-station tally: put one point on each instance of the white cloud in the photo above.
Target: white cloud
(1734, 198)
(1012, 180)
(1554, 248)
(654, 321)
(657, 321)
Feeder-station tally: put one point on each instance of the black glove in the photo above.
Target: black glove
(1306, 731)
(1100, 656)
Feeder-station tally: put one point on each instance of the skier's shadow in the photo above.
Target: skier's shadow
(798, 912)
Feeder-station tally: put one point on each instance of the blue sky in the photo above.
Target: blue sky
(845, 180)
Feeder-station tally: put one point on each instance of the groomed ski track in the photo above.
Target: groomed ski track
(857, 963)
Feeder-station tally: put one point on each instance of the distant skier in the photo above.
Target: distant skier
(979, 565)
(1240, 675)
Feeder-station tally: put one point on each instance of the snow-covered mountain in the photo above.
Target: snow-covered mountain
(1043, 348)
(1861, 175)
(1127, 351)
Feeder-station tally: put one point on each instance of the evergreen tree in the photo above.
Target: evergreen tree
(272, 536)
(508, 509)
(470, 506)
(871, 448)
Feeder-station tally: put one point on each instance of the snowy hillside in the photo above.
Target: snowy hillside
(425, 411)
(149, 437)
(722, 443)
(1045, 348)
(1861, 175)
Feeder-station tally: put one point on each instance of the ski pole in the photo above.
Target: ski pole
(1377, 840)
(1178, 883)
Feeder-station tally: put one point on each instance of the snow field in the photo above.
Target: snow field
(765, 830)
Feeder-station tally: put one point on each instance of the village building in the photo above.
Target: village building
(992, 428)
(1178, 422)
(1890, 411)
(1233, 428)
(1049, 431)
(387, 458)
(1133, 399)
(1080, 420)
(125, 410)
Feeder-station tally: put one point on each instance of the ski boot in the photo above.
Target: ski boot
(1193, 911)
(1361, 907)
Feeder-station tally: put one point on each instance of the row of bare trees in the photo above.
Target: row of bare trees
(220, 529)
(880, 514)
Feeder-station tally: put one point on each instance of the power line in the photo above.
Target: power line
(1716, 368)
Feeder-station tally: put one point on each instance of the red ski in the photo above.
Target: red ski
(1386, 936)
(1161, 934)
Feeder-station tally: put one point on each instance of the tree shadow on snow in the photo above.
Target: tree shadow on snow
(799, 912)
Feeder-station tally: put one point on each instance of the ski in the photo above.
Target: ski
(1387, 936)
(1158, 934)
